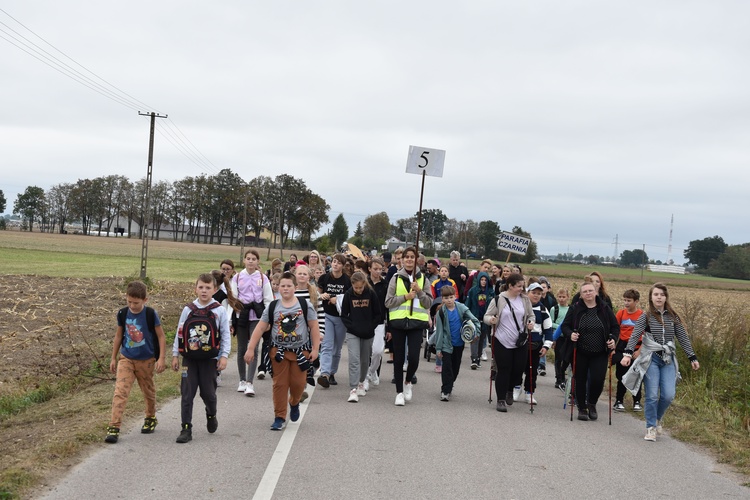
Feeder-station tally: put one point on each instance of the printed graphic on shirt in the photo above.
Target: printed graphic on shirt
(481, 299)
(287, 324)
(361, 303)
(133, 334)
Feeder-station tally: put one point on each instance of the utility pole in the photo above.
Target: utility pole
(147, 197)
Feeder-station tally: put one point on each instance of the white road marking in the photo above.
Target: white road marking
(275, 466)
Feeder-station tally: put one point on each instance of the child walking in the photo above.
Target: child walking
(139, 339)
(627, 318)
(448, 342)
(295, 342)
(202, 336)
(361, 314)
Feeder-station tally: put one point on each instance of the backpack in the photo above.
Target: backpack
(556, 308)
(302, 305)
(122, 315)
(199, 337)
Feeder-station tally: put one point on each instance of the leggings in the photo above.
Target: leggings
(400, 339)
(590, 370)
(509, 365)
(246, 372)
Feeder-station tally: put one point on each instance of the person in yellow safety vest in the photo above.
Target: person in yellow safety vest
(408, 317)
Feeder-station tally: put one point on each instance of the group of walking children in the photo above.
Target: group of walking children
(367, 311)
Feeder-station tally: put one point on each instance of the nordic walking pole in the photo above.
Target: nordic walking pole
(531, 378)
(492, 349)
(573, 380)
(610, 388)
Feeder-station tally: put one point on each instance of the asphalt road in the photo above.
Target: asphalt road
(373, 449)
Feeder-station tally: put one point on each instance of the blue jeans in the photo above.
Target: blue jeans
(330, 348)
(659, 384)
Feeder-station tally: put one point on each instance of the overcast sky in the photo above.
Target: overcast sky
(577, 120)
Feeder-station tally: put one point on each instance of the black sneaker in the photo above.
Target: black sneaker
(332, 380)
(113, 434)
(474, 366)
(618, 406)
(149, 424)
(583, 415)
(211, 423)
(501, 407)
(323, 381)
(542, 372)
(186, 434)
(593, 415)
(414, 379)
(509, 398)
(562, 387)
(311, 381)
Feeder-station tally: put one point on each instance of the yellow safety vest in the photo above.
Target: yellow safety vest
(399, 316)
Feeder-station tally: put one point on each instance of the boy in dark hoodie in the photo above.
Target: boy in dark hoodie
(477, 300)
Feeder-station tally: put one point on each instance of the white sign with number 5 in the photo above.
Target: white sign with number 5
(427, 160)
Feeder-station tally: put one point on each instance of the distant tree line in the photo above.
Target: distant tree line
(207, 209)
(222, 207)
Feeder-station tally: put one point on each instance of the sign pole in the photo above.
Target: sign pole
(416, 243)
(423, 161)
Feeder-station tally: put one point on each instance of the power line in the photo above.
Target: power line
(135, 102)
(173, 134)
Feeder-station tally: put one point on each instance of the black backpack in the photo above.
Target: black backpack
(199, 337)
(122, 315)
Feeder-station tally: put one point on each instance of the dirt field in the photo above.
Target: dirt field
(59, 327)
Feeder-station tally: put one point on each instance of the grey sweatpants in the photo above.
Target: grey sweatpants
(360, 351)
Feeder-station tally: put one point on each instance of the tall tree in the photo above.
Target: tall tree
(733, 263)
(377, 226)
(339, 231)
(260, 207)
(701, 252)
(312, 215)
(3, 201)
(433, 224)
(29, 206)
(635, 257)
(406, 229)
(58, 199)
(487, 236)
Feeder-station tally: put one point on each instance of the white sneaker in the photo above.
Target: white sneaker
(659, 428)
(241, 387)
(261, 375)
(650, 434)
(407, 391)
(249, 390)
(353, 398)
(517, 391)
(445, 397)
(366, 385)
(484, 355)
(360, 390)
(375, 379)
(400, 399)
(530, 399)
